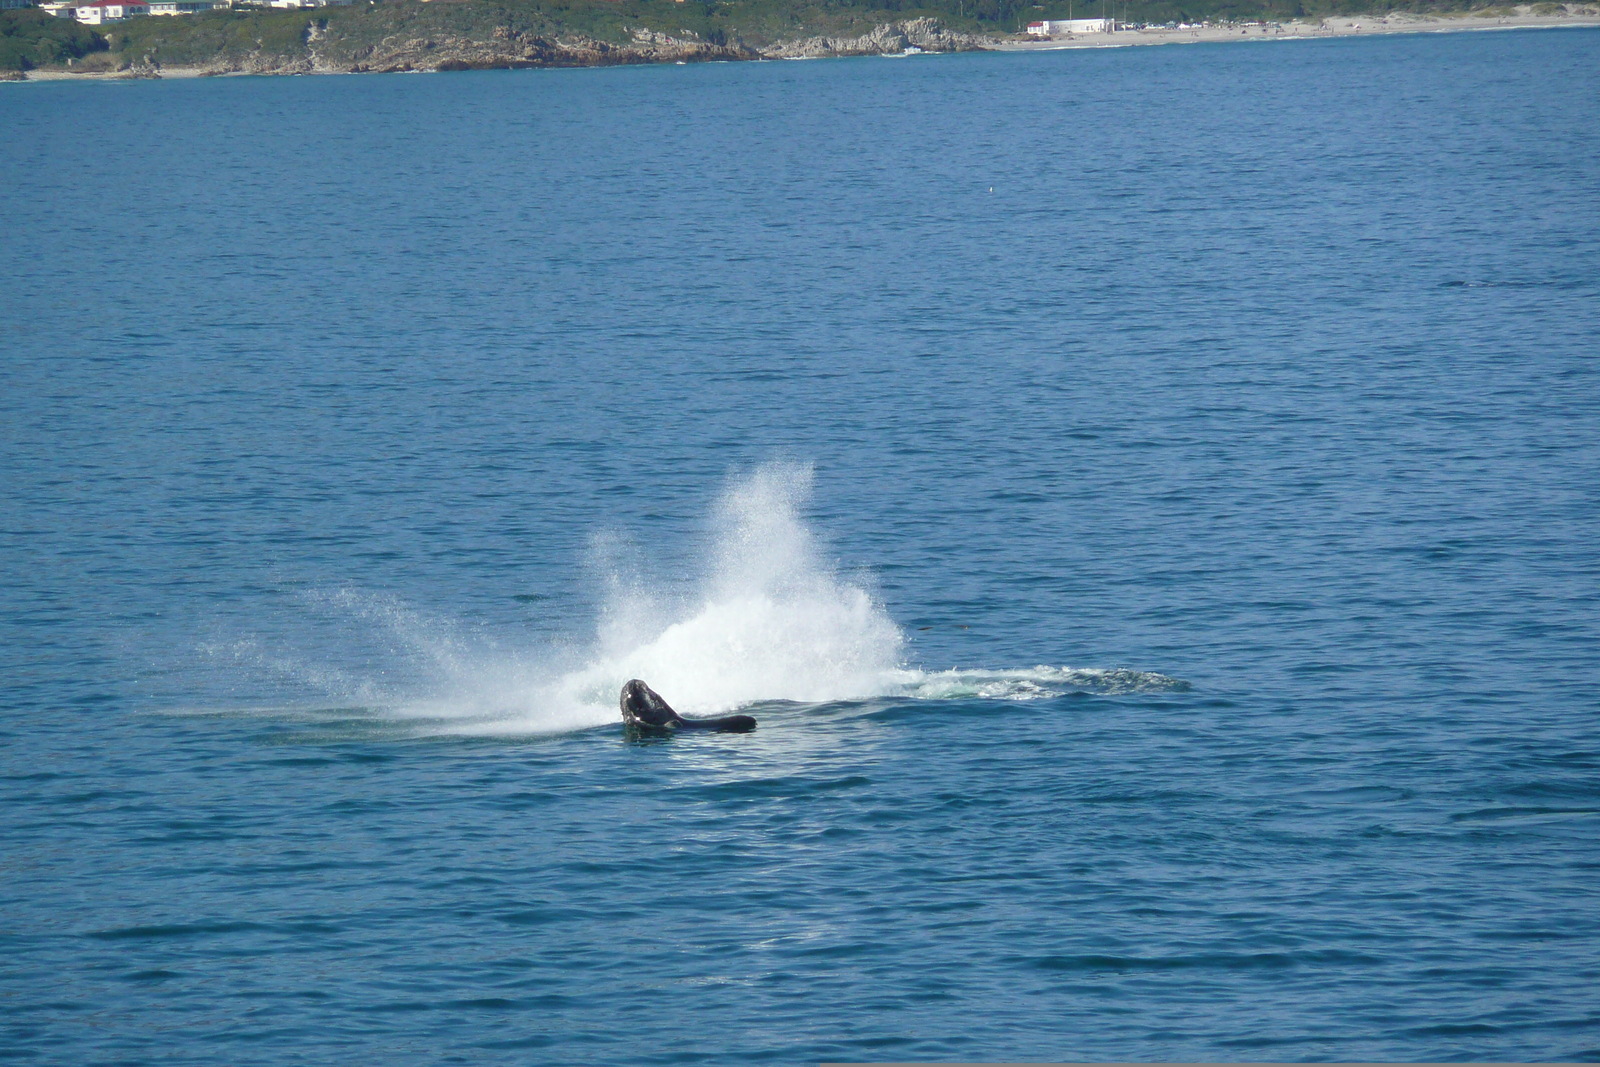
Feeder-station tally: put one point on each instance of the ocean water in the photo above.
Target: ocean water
(1149, 497)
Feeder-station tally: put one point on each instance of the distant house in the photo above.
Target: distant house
(1060, 26)
(61, 9)
(97, 11)
(180, 7)
(14, 5)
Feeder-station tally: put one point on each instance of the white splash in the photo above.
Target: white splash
(769, 618)
(773, 621)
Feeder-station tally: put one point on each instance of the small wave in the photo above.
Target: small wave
(1503, 814)
(173, 930)
(1230, 961)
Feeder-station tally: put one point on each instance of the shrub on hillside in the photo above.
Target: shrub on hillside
(32, 38)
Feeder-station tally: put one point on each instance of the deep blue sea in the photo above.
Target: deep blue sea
(1150, 499)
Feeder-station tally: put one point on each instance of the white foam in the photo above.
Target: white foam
(1035, 684)
(772, 620)
(768, 619)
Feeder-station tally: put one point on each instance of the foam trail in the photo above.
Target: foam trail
(1036, 684)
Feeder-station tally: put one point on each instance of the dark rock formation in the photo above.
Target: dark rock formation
(506, 47)
(929, 35)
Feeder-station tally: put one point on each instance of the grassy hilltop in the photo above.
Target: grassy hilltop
(456, 34)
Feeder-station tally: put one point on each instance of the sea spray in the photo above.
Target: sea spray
(766, 618)
(399, 662)
(771, 619)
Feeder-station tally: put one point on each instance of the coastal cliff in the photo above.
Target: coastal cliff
(443, 36)
(925, 34)
(505, 46)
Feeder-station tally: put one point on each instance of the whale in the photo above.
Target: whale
(644, 710)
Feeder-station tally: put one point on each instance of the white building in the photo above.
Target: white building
(180, 7)
(1063, 26)
(98, 11)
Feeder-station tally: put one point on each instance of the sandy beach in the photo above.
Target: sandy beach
(59, 75)
(1341, 26)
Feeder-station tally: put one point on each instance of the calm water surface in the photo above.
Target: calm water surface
(1150, 498)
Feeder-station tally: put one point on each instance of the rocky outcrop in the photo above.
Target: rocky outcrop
(929, 35)
(438, 37)
(507, 47)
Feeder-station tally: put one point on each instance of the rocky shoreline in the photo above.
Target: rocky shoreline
(325, 51)
(508, 48)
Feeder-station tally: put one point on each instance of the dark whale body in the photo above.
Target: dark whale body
(643, 709)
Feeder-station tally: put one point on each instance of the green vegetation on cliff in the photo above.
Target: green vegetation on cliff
(30, 38)
(194, 40)
(251, 39)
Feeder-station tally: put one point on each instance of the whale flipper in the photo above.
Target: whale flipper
(643, 709)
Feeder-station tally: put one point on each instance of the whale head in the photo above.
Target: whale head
(643, 706)
(644, 711)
